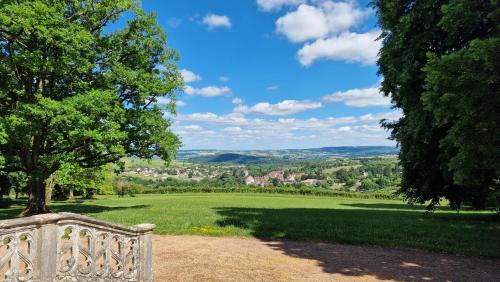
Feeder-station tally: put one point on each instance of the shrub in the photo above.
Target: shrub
(123, 188)
(272, 190)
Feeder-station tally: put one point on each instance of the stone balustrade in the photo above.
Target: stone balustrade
(72, 247)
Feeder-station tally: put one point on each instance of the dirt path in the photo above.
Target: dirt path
(197, 258)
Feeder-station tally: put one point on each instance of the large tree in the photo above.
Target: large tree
(440, 62)
(79, 82)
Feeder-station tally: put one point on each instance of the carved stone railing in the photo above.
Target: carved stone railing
(72, 247)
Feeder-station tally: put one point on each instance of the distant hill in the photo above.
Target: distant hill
(361, 150)
(230, 158)
(266, 156)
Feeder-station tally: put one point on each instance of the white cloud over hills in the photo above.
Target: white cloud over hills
(237, 130)
(283, 108)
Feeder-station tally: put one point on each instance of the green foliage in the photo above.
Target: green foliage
(440, 64)
(369, 185)
(302, 190)
(123, 188)
(72, 178)
(73, 92)
(108, 177)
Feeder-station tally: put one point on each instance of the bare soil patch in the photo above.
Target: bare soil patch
(198, 258)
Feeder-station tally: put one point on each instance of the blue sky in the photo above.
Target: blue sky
(274, 74)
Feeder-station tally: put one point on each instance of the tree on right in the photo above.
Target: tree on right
(440, 64)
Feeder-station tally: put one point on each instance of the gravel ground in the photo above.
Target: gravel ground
(198, 258)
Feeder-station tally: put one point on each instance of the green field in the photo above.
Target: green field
(353, 221)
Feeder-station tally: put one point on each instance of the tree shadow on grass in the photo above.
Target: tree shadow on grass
(450, 215)
(76, 207)
(393, 228)
(402, 207)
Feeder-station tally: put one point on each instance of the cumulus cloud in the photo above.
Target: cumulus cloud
(242, 132)
(224, 78)
(326, 29)
(232, 129)
(180, 103)
(359, 98)
(194, 131)
(271, 5)
(189, 76)
(237, 101)
(208, 117)
(286, 107)
(216, 21)
(306, 23)
(351, 47)
(313, 22)
(273, 87)
(237, 119)
(209, 91)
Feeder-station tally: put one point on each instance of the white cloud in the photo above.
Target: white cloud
(306, 23)
(180, 103)
(244, 133)
(208, 117)
(359, 98)
(273, 87)
(194, 131)
(318, 21)
(193, 127)
(189, 76)
(327, 28)
(270, 5)
(163, 100)
(209, 91)
(350, 47)
(237, 101)
(224, 78)
(233, 129)
(215, 21)
(286, 107)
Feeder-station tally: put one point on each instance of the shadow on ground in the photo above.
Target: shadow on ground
(382, 226)
(14, 208)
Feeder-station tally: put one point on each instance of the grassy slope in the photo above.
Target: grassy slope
(374, 222)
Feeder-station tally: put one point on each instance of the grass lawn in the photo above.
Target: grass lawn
(353, 221)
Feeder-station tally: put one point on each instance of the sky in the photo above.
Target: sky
(276, 74)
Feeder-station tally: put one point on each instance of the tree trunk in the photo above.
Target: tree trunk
(49, 187)
(36, 202)
(71, 196)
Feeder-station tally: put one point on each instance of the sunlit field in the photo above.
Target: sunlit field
(353, 221)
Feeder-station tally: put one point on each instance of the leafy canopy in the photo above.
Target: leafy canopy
(73, 90)
(441, 63)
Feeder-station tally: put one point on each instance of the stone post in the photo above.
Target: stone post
(47, 251)
(145, 251)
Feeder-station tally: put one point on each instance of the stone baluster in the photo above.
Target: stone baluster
(72, 247)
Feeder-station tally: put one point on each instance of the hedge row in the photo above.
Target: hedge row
(273, 190)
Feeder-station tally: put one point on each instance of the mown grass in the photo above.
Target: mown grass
(354, 221)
